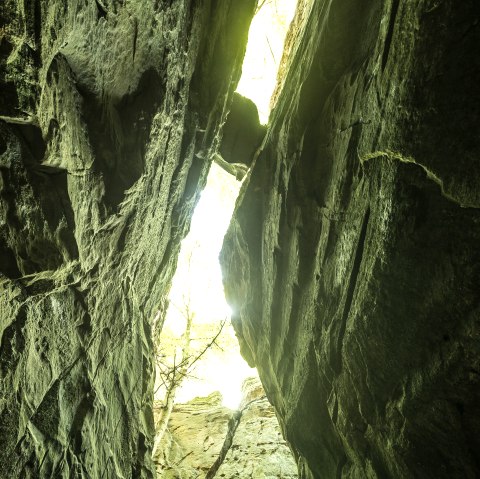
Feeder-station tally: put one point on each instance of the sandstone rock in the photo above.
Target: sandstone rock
(197, 431)
(258, 449)
(194, 438)
(110, 113)
(352, 262)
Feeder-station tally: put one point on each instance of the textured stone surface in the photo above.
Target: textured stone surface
(352, 262)
(109, 112)
(242, 133)
(258, 450)
(197, 431)
(194, 438)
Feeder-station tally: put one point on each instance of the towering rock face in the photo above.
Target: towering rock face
(353, 260)
(109, 113)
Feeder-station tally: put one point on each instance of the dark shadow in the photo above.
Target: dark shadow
(119, 133)
(242, 133)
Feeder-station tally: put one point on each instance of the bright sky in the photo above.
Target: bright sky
(198, 279)
(198, 275)
(264, 52)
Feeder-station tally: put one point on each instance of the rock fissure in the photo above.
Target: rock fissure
(351, 263)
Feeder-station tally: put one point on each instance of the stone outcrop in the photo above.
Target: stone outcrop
(353, 262)
(110, 113)
(242, 133)
(248, 442)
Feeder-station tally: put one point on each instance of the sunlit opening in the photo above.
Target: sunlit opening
(197, 290)
(264, 52)
(197, 352)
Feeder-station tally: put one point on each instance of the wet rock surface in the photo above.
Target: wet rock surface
(109, 113)
(197, 432)
(352, 261)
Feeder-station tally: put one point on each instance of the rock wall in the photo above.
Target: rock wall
(352, 262)
(110, 111)
(197, 433)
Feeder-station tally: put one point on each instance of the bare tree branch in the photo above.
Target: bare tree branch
(171, 377)
(261, 4)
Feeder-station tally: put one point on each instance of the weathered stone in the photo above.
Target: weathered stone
(110, 112)
(194, 438)
(352, 262)
(197, 431)
(242, 133)
(258, 450)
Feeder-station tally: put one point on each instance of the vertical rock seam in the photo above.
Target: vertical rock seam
(352, 262)
(110, 113)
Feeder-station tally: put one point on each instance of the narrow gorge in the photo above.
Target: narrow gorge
(351, 264)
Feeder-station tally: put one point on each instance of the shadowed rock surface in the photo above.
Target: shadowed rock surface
(352, 262)
(109, 113)
(242, 133)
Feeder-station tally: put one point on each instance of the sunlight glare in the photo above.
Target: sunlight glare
(198, 283)
(264, 52)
